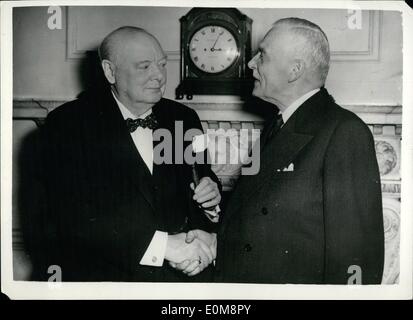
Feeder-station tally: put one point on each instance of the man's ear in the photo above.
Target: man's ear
(109, 71)
(297, 70)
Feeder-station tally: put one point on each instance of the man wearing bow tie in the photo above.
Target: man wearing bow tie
(112, 212)
(313, 213)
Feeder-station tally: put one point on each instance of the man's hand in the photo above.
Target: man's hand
(206, 193)
(196, 251)
(192, 268)
(210, 239)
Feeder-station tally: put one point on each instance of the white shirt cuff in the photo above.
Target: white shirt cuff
(155, 253)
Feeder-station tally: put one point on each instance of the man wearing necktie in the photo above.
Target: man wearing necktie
(313, 214)
(111, 212)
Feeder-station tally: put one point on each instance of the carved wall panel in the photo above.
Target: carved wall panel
(391, 220)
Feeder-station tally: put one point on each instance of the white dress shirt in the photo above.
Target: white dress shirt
(287, 113)
(143, 140)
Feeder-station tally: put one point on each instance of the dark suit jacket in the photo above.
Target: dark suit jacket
(309, 225)
(100, 205)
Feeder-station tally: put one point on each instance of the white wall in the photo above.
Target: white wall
(42, 70)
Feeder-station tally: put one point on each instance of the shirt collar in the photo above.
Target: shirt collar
(126, 113)
(287, 113)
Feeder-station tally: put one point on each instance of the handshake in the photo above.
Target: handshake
(191, 252)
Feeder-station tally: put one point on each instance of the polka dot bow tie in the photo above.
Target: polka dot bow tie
(148, 122)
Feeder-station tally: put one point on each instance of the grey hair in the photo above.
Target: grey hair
(107, 50)
(316, 49)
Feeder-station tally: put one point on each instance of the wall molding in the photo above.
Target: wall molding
(25, 108)
(74, 52)
(373, 49)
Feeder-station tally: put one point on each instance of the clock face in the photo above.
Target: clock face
(213, 49)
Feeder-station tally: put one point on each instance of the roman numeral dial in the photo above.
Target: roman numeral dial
(213, 49)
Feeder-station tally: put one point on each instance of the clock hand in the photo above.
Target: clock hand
(213, 47)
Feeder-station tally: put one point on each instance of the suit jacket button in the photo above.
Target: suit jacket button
(247, 247)
(264, 211)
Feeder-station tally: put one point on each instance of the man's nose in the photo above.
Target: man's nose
(158, 73)
(252, 64)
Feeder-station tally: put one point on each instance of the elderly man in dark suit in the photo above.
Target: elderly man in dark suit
(112, 212)
(313, 214)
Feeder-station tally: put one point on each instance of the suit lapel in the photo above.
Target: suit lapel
(122, 149)
(164, 122)
(279, 152)
(283, 148)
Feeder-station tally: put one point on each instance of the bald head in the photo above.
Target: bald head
(114, 44)
(135, 66)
